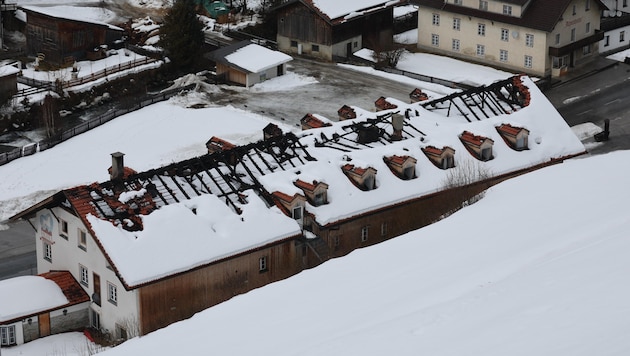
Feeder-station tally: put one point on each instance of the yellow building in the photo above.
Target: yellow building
(537, 37)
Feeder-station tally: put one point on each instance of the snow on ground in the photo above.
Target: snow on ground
(620, 56)
(522, 272)
(407, 37)
(68, 344)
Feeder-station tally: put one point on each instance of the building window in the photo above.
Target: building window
(559, 62)
(95, 319)
(481, 29)
(82, 239)
(457, 24)
(625, 3)
(572, 35)
(529, 40)
(47, 251)
(507, 10)
(436, 19)
(557, 38)
(483, 5)
(63, 225)
(297, 212)
(364, 233)
(7, 335)
(336, 242)
(503, 55)
(293, 43)
(435, 40)
(586, 50)
(355, 44)
(606, 41)
(121, 332)
(315, 48)
(505, 34)
(457, 2)
(262, 264)
(455, 45)
(588, 27)
(528, 61)
(622, 36)
(587, 6)
(384, 229)
(481, 50)
(112, 293)
(574, 9)
(83, 272)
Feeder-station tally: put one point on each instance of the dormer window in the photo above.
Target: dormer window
(480, 147)
(382, 104)
(316, 192)
(483, 5)
(346, 113)
(418, 95)
(216, 144)
(515, 137)
(363, 178)
(311, 121)
(443, 158)
(404, 167)
(292, 206)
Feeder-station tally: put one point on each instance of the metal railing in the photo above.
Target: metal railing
(426, 78)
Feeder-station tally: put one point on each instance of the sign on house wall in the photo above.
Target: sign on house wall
(46, 226)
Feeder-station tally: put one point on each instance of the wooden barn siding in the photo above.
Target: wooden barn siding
(299, 23)
(232, 74)
(54, 37)
(376, 27)
(181, 296)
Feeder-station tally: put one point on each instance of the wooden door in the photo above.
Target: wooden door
(96, 297)
(44, 324)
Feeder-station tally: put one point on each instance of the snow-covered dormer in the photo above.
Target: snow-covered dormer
(382, 104)
(404, 167)
(216, 144)
(515, 137)
(363, 178)
(316, 192)
(292, 205)
(311, 121)
(346, 113)
(443, 158)
(479, 146)
(418, 95)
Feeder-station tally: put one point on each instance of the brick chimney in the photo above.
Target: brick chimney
(118, 167)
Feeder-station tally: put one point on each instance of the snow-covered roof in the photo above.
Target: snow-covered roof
(170, 214)
(349, 8)
(28, 295)
(255, 58)
(8, 70)
(76, 13)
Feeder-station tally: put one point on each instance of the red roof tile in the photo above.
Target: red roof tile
(473, 139)
(509, 129)
(347, 112)
(382, 104)
(313, 122)
(68, 285)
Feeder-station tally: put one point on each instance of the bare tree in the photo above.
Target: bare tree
(389, 56)
(463, 184)
(50, 116)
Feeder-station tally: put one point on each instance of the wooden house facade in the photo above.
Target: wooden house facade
(8, 82)
(61, 41)
(321, 32)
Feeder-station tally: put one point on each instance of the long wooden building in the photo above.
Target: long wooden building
(155, 247)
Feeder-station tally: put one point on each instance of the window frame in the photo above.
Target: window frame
(457, 23)
(84, 275)
(314, 47)
(112, 293)
(384, 229)
(528, 61)
(47, 250)
(435, 19)
(587, 5)
(483, 5)
(7, 335)
(573, 35)
(481, 50)
(505, 35)
(622, 36)
(263, 264)
(300, 210)
(481, 29)
(63, 228)
(529, 40)
(503, 55)
(507, 10)
(455, 45)
(588, 27)
(435, 40)
(557, 38)
(365, 233)
(82, 239)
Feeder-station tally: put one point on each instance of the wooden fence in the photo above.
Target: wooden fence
(45, 144)
(107, 71)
